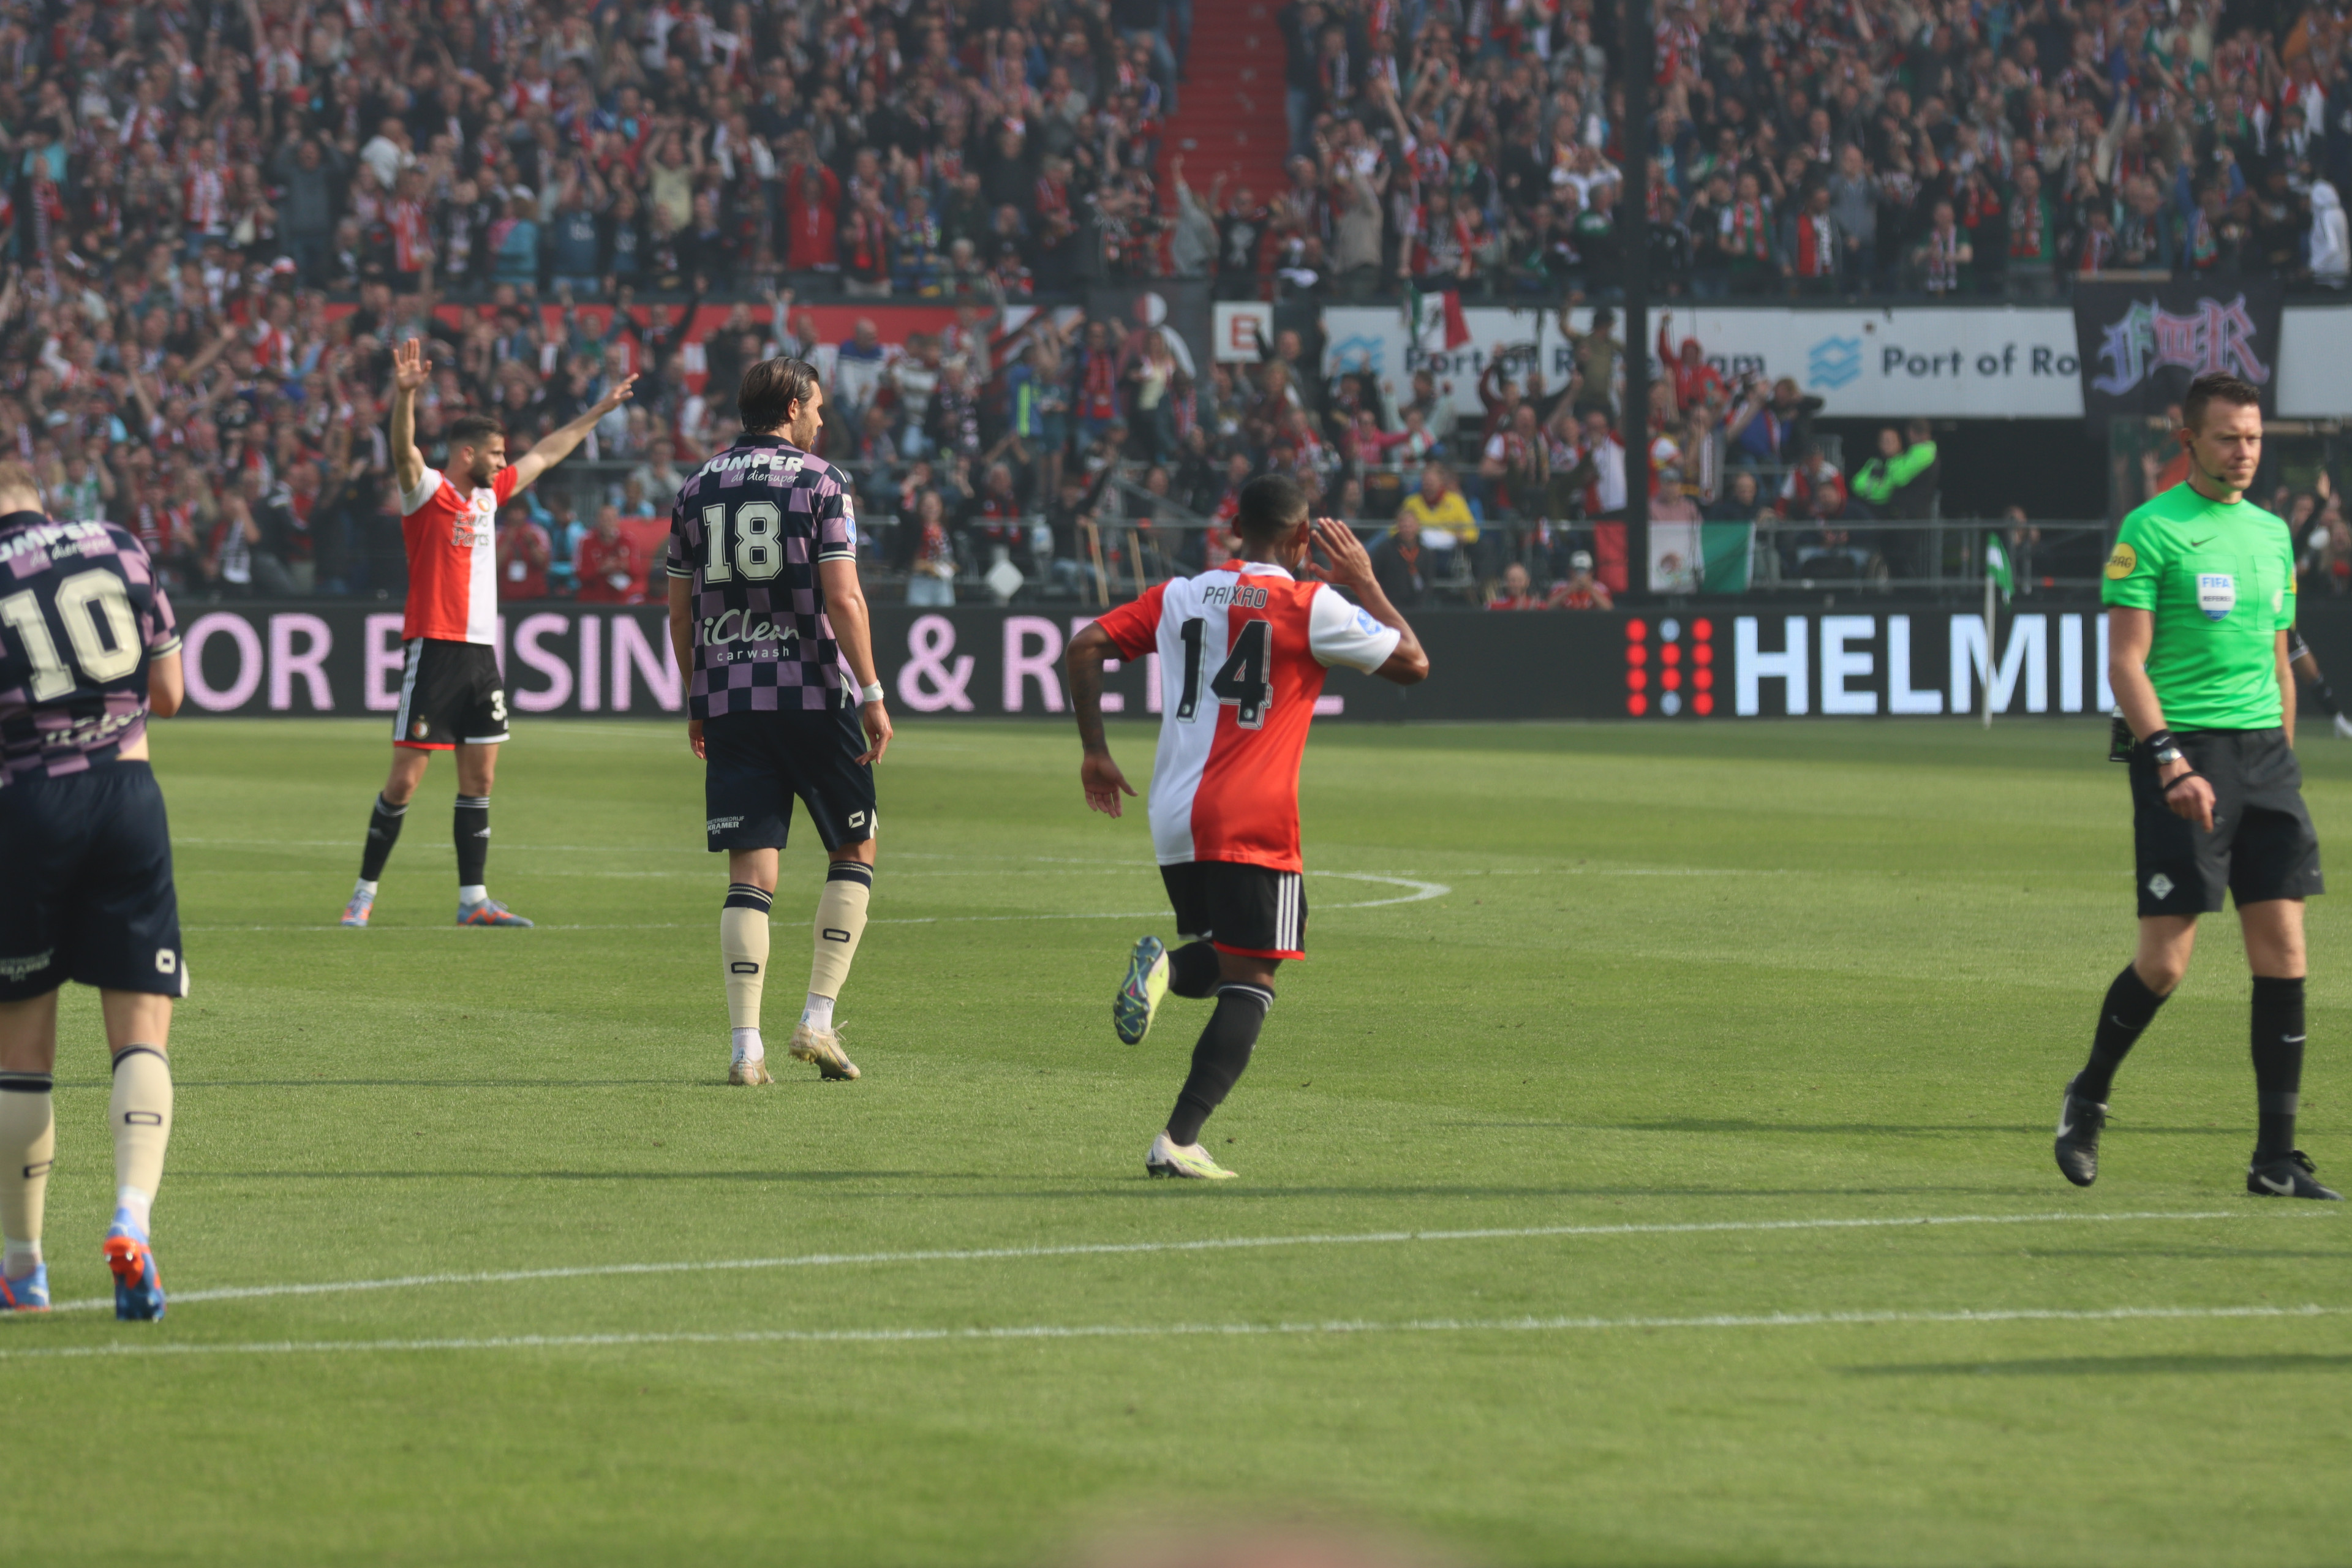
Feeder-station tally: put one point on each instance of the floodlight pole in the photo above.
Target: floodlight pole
(1637, 63)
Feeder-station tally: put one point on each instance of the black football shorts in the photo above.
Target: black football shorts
(90, 896)
(2262, 846)
(1253, 910)
(449, 692)
(755, 764)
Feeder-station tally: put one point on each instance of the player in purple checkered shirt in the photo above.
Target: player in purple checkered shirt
(87, 648)
(766, 611)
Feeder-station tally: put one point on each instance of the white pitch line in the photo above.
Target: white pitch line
(1422, 892)
(1122, 1248)
(1173, 1331)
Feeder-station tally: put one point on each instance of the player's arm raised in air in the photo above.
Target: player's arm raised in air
(557, 444)
(409, 369)
(853, 628)
(1351, 568)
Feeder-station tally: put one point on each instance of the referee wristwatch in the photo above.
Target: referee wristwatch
(2162, 748)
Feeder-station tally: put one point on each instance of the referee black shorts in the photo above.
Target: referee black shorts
(88, 876)
(1253, 911)
(449, 692)
(755, 764)
(2262, 846)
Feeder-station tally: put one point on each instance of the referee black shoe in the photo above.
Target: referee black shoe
(2288, 1176)
(2079, 1121)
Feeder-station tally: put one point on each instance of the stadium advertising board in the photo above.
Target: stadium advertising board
(1714, 663)
(1997, 363)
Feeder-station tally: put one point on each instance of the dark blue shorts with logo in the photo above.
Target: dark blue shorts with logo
(755, 764)
(89, 887)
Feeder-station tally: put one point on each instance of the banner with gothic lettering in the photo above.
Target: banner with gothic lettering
(2140, 344)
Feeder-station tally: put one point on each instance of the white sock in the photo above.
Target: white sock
(473, 893)
(139, 1202)
(748, 1047)
(818, 1014)
(363, 887)
(24, 1256)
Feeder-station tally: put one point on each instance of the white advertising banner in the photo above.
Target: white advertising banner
(2316, 362)
(1998, 363)
(1936, 363)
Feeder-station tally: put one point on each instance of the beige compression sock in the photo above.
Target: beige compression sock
(743, 944)
(140, 1114)
(840, 921)
(28, 1146)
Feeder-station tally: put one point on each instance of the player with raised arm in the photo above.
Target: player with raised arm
(766, 612)
(88, 650)
(1243, 653)
(451, 696)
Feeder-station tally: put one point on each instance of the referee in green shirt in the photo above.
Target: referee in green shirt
(2200, 598)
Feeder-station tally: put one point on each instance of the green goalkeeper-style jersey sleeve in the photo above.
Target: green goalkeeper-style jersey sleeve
(2137, 563)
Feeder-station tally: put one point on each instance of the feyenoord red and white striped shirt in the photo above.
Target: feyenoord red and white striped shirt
(1243, 653)
(453, 591)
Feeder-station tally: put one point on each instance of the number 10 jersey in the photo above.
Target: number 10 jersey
(750, 529)
(1243, 653)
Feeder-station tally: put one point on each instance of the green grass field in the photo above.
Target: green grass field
(1691, 1029)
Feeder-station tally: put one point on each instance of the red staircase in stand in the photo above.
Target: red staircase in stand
(1231, 119)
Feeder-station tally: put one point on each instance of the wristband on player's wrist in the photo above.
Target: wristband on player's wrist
(2161, 747)
(870, 693)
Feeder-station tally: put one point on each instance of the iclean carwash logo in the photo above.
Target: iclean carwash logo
(1833, 361)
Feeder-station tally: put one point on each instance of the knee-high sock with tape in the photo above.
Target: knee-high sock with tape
(743, 947)
(840, 921)
(141, 1115)
(28, 1146)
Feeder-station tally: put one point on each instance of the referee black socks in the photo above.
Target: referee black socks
(2129, 1010)
(472, 830)
(1218, 1060)
(2278, 1033)
(383, 832)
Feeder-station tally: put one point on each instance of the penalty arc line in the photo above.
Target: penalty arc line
(1962, 1316)
(1129, 1248)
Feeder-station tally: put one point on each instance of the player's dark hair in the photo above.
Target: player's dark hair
(769, 390)
(2215, 387)
(474, 430)
(1271, 506)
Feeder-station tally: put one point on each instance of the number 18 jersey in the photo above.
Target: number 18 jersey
(749, 528)
(1243, 652)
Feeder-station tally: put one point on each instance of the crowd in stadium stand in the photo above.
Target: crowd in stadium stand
(221, 214)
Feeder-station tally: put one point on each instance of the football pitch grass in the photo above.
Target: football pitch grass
(1650, 1165)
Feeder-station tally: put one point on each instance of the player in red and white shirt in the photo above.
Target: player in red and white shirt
(451, 696)
(1241, 653)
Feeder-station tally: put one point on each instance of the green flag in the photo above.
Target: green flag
(1997, 566)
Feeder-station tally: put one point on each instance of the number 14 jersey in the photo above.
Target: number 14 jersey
(1243, 653)
(749, 528)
